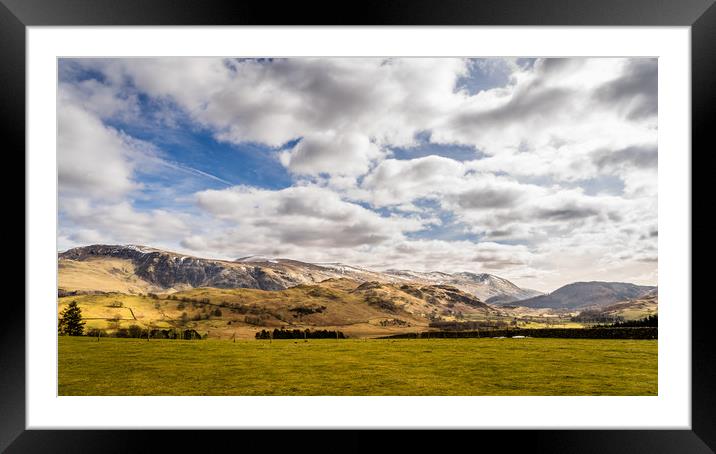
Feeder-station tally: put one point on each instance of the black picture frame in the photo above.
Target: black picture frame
(700, 15)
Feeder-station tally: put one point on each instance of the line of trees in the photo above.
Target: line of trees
(649, 320)
(596, 317)
(641, 332)
(298, 334)
(137, 332)
(468, 326)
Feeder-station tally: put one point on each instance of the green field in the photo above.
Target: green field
(358, 367)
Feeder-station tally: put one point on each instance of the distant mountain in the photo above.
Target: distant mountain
(583, 295)
(484, 286)
(141, 269)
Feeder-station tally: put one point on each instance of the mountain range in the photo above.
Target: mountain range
(120, 285)
(141, 269)
(133, 269)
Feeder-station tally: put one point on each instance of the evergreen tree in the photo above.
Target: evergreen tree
(71, 322)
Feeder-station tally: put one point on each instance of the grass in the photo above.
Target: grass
(344, 311)
(358, 367)
(349, 316)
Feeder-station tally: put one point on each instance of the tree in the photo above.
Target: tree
(135, 331)
(71, 322)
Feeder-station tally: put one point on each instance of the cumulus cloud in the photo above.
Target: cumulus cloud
(641, 157)
(635, 91)
(546, 133)
(303, 216)
(274, 102)
(399, 181)
(100, 99)
(477, 198)
(92, 159)
(88, 222)
(97, 166)
(527, 106)
(331, 153)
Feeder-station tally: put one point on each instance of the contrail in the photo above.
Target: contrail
(208, 175)
(193, 171)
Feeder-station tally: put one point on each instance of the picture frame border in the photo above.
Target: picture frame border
(700, 15)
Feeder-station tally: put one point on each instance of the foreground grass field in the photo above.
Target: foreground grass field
(358, 367)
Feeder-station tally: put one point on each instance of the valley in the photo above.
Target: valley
(396, 332)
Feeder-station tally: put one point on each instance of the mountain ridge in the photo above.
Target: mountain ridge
(588, 294)
(162, 270)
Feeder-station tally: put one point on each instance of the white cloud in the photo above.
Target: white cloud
(97, 167)
(331, 153)
(301, 216)
(101, 99)
(360, 101)
(340, 106)
(541, 135)
(93, 159)
(102, 222)
(395, 181)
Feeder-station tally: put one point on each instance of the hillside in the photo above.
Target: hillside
(171, 271)
(359, 309)
(104, 274)
(583, 295)
(632, 309)
(140, 269)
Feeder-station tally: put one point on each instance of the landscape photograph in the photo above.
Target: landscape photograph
(378, 226)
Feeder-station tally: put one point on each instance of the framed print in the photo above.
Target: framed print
(409, 217)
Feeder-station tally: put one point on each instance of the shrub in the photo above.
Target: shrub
(191, 334)
(253, 320)
(306, 310)
(135, 331)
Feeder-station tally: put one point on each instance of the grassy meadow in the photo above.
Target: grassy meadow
(415, 367)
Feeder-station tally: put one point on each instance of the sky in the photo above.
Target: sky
(541, 171)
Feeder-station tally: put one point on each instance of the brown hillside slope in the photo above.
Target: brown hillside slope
(101, 275)
(357, 309)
